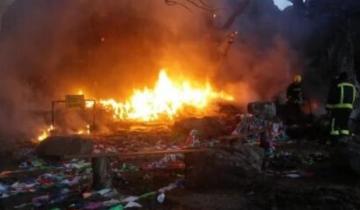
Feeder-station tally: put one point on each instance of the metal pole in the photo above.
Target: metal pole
(53, 113)
(94, 115)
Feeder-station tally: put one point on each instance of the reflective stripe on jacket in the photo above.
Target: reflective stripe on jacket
(342, 96)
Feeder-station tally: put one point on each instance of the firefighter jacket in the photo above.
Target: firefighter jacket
(342, 95)
(295, 93)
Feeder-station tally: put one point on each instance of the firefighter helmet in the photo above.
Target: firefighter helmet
(297, 78)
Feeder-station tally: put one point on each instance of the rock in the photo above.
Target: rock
(223, 167)
(208, 126)
(353, 154)
(264, 109)
(58, 146)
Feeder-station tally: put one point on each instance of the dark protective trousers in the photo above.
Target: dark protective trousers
(294, 113)
(339, 125)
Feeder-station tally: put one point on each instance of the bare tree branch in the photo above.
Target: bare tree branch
(176, 3)
(242, 5)
(201, 5)
(205, 4)
(197, 3)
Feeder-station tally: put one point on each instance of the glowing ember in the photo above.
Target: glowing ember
(166, 99)
(84, 131)
(89, 104)
(45, 133)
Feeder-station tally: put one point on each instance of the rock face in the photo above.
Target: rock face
(223, 167)
(59, 146)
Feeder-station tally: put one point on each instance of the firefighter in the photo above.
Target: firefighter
(295, 99)
(340, 104)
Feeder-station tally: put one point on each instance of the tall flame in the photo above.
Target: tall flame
(167, 98)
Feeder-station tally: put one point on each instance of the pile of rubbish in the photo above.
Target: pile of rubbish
(251, 127)
(45, 184)
(67, 185)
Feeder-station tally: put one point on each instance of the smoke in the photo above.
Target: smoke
(265, 74)
(261, 63)
(49, 48)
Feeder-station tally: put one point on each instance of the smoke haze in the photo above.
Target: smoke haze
(49, 48)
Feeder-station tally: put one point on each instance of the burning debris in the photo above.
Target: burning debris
(45, 133)
(165, 101)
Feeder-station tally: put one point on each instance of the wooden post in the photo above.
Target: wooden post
(101, 173)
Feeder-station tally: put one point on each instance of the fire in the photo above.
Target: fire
(166, 99)
(45, 133)
(80, 92)
(89, 104)
(84, 131)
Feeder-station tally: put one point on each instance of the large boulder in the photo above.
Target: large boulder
(223, 167)
(59, 146)
(266, 110)
(208, 127)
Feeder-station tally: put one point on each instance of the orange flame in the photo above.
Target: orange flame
(84, 131)
(45, 133)
(167, 98)
(165, 101)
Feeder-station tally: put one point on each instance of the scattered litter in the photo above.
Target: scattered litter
(3, 188)
(251, 126)
(161, 198)
(165, 162)
(104, 191)
(111, 202)
(193, 139)
(133, 205)
(293, 176)
(130, 199)
(94, 205)
(117, 207)
(41, 200)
